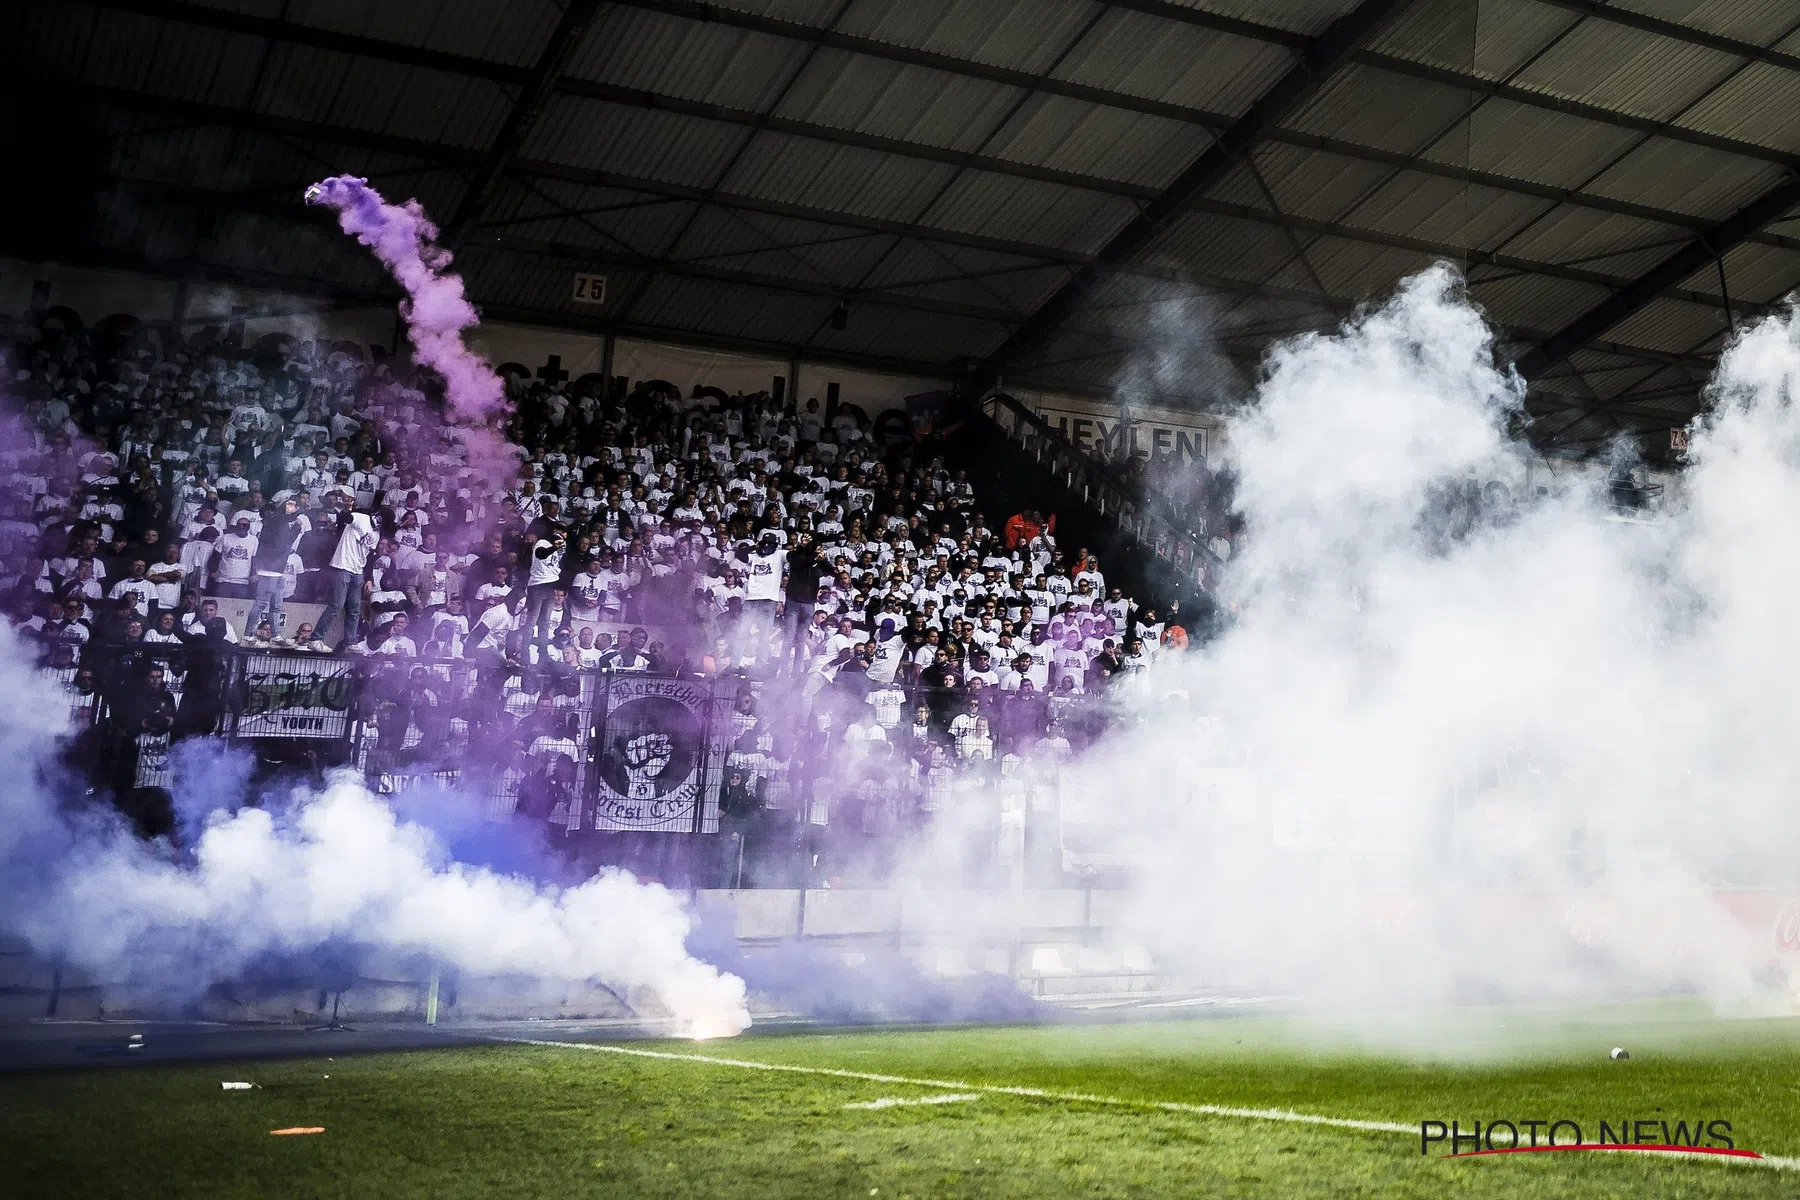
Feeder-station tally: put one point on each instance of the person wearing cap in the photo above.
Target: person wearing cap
(280, 533)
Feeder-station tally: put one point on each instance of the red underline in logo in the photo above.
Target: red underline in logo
(1677, 1149)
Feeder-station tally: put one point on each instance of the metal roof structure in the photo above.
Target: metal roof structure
(1076, 195)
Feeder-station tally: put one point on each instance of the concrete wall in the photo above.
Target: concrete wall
(1052, 941)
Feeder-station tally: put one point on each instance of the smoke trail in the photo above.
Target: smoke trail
(436, 309)
(332, 867)
(1500, 753)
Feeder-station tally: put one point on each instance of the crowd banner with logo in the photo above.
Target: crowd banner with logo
(295, 696)
(656, 757)
(152, 760)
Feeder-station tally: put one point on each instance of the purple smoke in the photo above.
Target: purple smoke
(436, 310)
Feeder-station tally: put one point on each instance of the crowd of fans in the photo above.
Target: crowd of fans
(853, 575)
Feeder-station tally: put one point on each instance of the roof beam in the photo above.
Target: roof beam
(1474, 256)
(509, 76)
(1676, 31)
(800, 31)
(637, 98)
(527, 107)
(14, 244)
(888, 51)
(463, 156)
(1574, 108)
(1653, 283)
(576, 254)
(1299, 84)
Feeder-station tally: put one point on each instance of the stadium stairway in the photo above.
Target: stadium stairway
(1015, 460)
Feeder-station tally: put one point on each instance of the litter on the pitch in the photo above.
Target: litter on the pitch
(1619, 1052)
(233, 1085)
(297, 1129)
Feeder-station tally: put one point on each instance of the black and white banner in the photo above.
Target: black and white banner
(652, 756)
(296, 696)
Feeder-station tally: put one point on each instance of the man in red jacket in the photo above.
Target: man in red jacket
(1022, 527)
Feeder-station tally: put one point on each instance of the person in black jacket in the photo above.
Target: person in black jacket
(802, 595)
(268, 566)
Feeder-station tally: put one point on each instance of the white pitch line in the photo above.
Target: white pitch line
(901, 1102)
(1773, 1161)
(952, 1085)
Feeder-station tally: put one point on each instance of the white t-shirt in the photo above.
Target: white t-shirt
(355, 544)
(546, 568)
(235, 554)
(587, 590)
(764, 581)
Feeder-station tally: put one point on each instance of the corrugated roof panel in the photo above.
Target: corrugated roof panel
(1533, 301)
(1574, 234)
(1532, 143)
(1118, 296)
(1020, 35)
(501, 277)
(1757, 21)
(187, 62)
(1443, 210)
(1755, 274)
(122, 50)
(1214, 245)
(1381, 109)
(1177, 64)
(514, 32)
(1689, 179)
(902, 333)
(426, 105)
(1004, 206)
(843, 178)
(1305, 183)
(714, 64)
(1297, 16)
(56, 37)
(817, 13)
(302, 82)
(1111, 143)
(776, 246)
(962, 276)
(1675, 326)
(1446, 33)
(1756, 105)
(258, 8)
(730, 310)
(1610, 376)
(648, 143)
(1359, 271)
(1616, 67)
(894, 100)
(652, 229)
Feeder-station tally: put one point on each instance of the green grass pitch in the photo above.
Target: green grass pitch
(544, 1121)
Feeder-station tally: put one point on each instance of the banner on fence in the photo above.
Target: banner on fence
(296, 696)
(152, 760)
(651, 761)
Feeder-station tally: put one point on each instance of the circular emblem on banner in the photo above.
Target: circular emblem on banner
(652, 747)
(1787, 927)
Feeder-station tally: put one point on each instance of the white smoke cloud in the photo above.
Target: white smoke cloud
(1516, 764)
(335, 867)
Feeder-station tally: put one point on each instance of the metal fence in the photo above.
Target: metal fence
(1150, 521)
(805, 783)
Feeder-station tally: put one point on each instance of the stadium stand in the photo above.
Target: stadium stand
(280, 543)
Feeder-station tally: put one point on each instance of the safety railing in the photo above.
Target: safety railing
(1147, 518)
